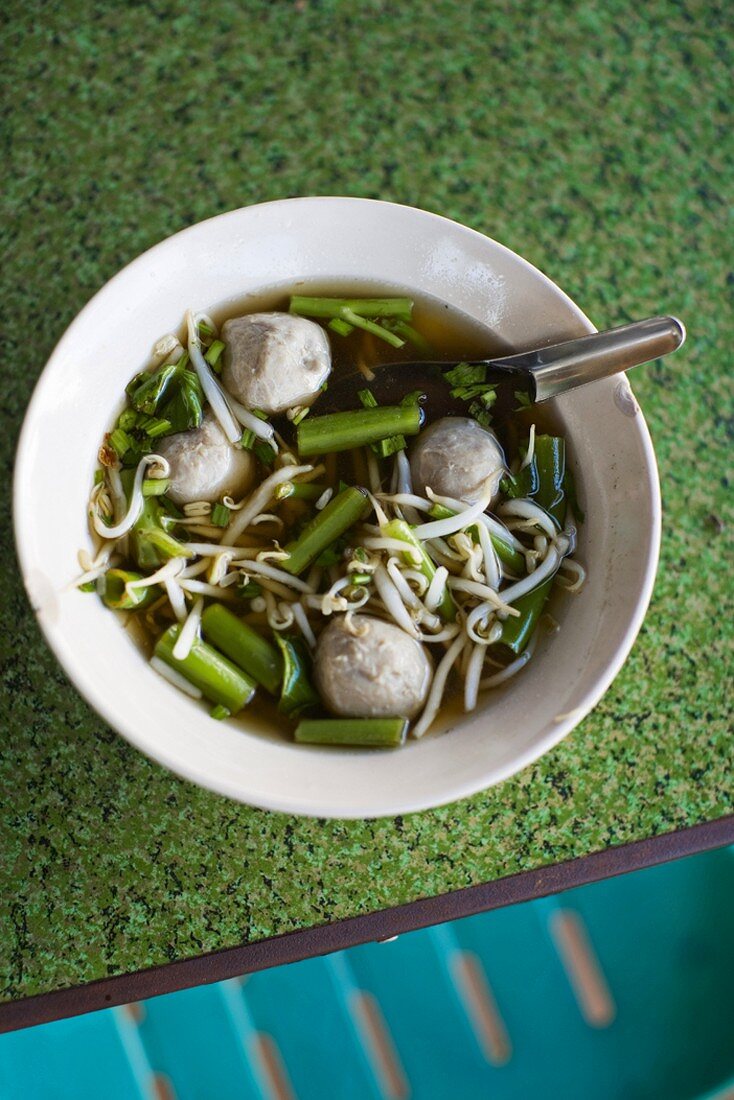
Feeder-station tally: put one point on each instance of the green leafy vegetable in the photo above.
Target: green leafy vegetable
(297, 693)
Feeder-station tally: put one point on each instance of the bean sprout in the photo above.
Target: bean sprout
(527, 509)
(299, 614)
(210, 386)
(189, 631)
(435, 695)
(136, 500)
(260, 499)
(508, 672)
(473, 674)
(174, 677)
(393, 604)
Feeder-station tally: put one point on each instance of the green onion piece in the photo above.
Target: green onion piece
(363, 307)
(98, 476)
(120, 442)
(297, 693)
(155, 486)
(367, 398)
(249, 590)
(412, 398)
(217, 679)
(344, 430)
(213, 352)
(523, 399)
(300, 415)
(219, 712)
(467, 374)
(363, 732)
(127, 419)
(112, 591)
(147, 396)
(243, 645)
(341, 513)
(264, 452)
(481, 408)
(512, 558)
(88, 586)
(399, 529)
(157, 426)
(247, 442)
(205, 329)
(342, 328)
(220, 515)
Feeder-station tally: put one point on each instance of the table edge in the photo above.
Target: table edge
(350, 931)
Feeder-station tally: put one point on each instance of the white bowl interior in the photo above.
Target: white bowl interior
(354, 240)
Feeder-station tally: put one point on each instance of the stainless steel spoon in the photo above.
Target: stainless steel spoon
(541, 374)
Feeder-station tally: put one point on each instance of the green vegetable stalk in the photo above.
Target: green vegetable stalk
(341, 513)
(243, 645)
(114, 595)
(216, 678)
(362, 732)
(345, 430)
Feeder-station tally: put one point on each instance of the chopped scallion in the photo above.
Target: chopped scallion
(120, 442)
(214, 352)
(127, 419)
(265, 453)
(220, 515)
(155, 486)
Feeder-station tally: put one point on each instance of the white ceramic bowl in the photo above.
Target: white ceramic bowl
(327, 239)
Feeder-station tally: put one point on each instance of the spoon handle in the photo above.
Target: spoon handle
(562, 367)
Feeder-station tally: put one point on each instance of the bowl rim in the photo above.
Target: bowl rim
(459, 788)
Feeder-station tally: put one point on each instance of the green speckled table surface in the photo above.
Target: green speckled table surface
(597, 142)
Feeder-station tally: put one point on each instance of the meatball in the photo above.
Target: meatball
(273, 361)
(378, 671)
(205, 465)
(455, 457)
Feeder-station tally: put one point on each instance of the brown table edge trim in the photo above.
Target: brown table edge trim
(321, 940)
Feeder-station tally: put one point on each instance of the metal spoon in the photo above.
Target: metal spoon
(541, 374)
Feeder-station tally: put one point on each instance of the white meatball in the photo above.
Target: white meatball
(273, 361)
(377, 672)
(205, 465)
(456, 457)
